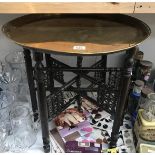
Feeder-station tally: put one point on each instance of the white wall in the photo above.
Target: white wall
(148, 46)
(6, 45)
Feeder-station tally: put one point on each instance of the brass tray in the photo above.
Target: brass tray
(86, 34)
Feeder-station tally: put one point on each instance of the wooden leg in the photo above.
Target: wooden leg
(124, 91)
(30, 77)
(41, 93)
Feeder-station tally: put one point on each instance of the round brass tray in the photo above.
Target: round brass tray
(86, 34)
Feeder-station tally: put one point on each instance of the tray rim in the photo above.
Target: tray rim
(64, 15)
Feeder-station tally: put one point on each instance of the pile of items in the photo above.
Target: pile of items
(17, 129)
(89, 131)
(141, 105)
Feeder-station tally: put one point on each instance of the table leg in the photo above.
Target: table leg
(129, 89)
(78, 82)
(124, 91)
(41, 93)
(30, 77)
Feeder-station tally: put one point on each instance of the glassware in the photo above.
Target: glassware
(149, 109)
(139, 55)
(143, 98)
(3, 137)
(23, 93)
(9, 79)
(145, 70)
(133, 100)
(6, 101)
(24, 129)
(137, 58)
(138, 86)
(16, 62)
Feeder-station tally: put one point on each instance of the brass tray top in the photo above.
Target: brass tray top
(87, 34)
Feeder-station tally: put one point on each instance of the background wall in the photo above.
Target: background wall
(148, 46)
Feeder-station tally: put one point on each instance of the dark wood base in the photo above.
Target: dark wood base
(44, 76)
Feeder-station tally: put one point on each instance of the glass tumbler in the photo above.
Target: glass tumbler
(24, 129)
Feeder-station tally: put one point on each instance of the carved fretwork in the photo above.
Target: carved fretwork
(57, 75)
(109, 92)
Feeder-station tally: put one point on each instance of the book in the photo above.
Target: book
(81, 129)
(57, 140)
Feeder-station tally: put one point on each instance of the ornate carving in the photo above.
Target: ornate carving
(57, 75)
(78, 82)
(108, 93)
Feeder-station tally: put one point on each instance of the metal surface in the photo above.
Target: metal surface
(86, 34)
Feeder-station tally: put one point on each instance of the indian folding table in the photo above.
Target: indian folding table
(80, 35)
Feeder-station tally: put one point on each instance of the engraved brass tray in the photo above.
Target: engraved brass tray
(86, 34)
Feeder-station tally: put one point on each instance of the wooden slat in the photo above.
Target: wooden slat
(145, 7)
(77, 7)
(63, 7)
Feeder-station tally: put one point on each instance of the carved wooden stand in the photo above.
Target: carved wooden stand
(109, 81)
